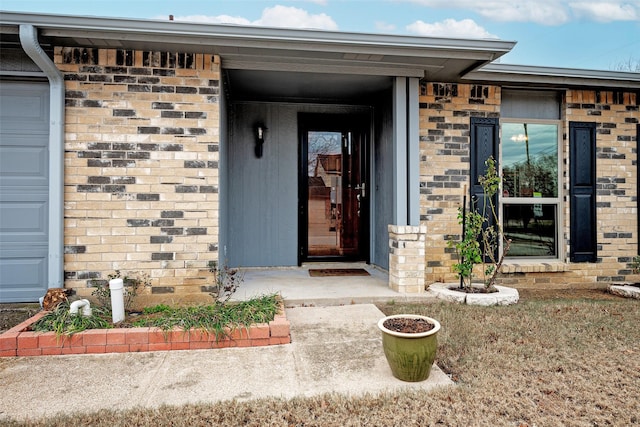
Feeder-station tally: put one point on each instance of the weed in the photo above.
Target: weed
(217, 319)
(62, 322)
(133, 283)
(160, 308)
(225, 282)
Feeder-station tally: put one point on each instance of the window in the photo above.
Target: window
(530, 200)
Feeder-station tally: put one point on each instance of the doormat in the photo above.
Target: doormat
(324, 272)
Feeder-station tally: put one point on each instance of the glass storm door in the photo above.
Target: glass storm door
(336, 212)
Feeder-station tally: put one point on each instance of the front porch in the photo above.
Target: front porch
(298, 288)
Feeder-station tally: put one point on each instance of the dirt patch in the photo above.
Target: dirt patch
(474, 290)
(567, 294)
(14, 314)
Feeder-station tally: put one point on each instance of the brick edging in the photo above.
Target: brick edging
(17, 341)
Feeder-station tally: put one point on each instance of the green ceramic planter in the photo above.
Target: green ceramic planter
(410, 356)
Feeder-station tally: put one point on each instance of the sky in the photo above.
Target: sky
(587, 34)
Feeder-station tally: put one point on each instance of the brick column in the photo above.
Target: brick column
(407, 258)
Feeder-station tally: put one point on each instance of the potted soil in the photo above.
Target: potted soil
(410, 343)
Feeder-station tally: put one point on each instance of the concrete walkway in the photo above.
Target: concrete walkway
(334, 349)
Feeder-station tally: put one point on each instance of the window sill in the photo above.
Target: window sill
(521, 266)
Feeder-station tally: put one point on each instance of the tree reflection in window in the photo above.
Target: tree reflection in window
(530, 160)
(530, 188)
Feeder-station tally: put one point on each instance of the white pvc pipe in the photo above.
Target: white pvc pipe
(82, 303)
(117, 300)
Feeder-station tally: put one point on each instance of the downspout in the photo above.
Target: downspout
(31, 46)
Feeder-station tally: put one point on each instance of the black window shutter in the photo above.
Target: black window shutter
(484, 144)
(582, 175)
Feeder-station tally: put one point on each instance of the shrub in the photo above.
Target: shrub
(133, 284)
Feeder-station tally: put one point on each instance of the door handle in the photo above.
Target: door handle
(361, 188)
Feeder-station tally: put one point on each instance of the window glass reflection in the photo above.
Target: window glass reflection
(531, 228)
(324, 163)
(529, 160)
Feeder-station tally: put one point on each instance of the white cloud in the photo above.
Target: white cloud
(292, 17)
(465, 28)
(545, 12)
(277, 16)
(606, 11)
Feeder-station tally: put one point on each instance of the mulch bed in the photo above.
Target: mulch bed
(474, 290)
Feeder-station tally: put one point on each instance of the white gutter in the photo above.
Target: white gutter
(29, 41)
(559, 77)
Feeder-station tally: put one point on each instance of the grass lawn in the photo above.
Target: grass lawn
(542, 362)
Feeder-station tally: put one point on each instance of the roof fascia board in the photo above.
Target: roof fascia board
(550, 76)
(230, 46)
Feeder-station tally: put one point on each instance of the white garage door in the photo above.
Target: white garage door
(24, 190)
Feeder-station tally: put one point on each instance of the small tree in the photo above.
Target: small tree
(482, 235)
(630, 64)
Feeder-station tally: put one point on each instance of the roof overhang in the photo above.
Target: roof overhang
(273, 49)
(529, 76)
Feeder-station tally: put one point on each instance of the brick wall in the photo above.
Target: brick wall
(141, 167)
(616, 115)
(445, 111)
(141, 172)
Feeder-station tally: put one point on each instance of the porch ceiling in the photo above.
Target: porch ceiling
(272, 49)
(304, 87)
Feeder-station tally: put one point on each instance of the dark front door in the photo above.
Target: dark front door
(334, 189)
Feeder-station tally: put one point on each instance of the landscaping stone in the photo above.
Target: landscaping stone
(626, 291)
(504, 296)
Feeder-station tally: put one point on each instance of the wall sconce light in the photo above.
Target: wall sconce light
(260, 131)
